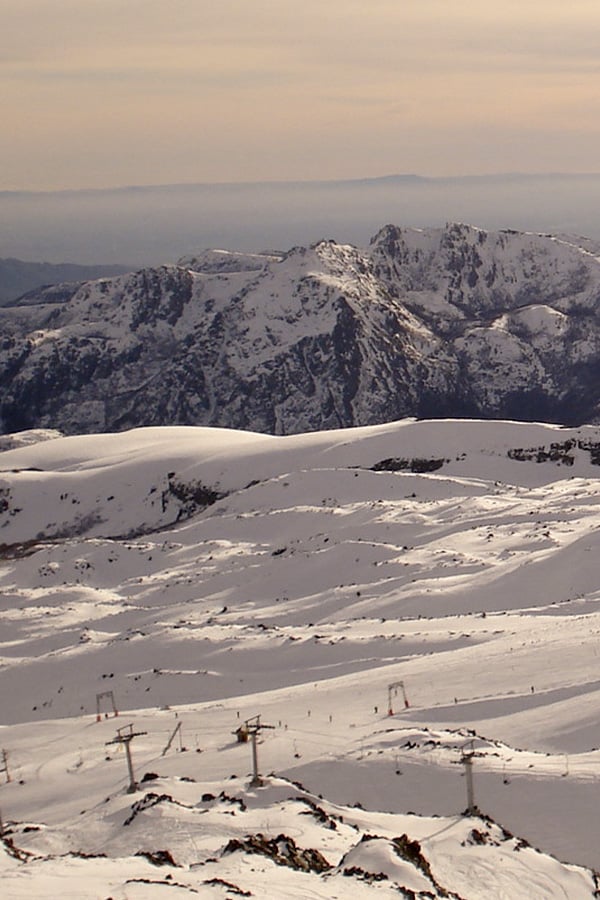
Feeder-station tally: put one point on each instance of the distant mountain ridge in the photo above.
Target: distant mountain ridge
(18, 277)
(452, 321)
(400, 177)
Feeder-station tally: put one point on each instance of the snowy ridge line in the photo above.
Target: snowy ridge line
(144, 494)
(426, 322)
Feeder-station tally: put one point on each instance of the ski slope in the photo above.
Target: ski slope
(207, 576)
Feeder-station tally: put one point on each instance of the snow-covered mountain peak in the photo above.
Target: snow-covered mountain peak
(479, 271)
(427, 322)
(213, 262)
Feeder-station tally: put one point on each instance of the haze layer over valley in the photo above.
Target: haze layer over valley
(150, 225)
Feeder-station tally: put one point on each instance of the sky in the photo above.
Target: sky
(117, 92)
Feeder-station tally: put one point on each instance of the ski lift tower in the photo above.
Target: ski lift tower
(393, 691)
(109, 697)
(124, 737)
(467, 754)
(252, 728)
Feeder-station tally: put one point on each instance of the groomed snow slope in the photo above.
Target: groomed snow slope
(208, 576)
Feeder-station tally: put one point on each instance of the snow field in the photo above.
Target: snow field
(301, 598)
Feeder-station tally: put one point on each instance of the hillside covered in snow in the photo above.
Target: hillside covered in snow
(452, 321)
(199, 578)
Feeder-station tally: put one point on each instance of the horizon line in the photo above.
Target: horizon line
(409, 178)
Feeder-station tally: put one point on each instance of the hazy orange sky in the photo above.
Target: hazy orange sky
(97, 93)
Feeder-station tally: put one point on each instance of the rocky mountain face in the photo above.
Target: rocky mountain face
(453, 321)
